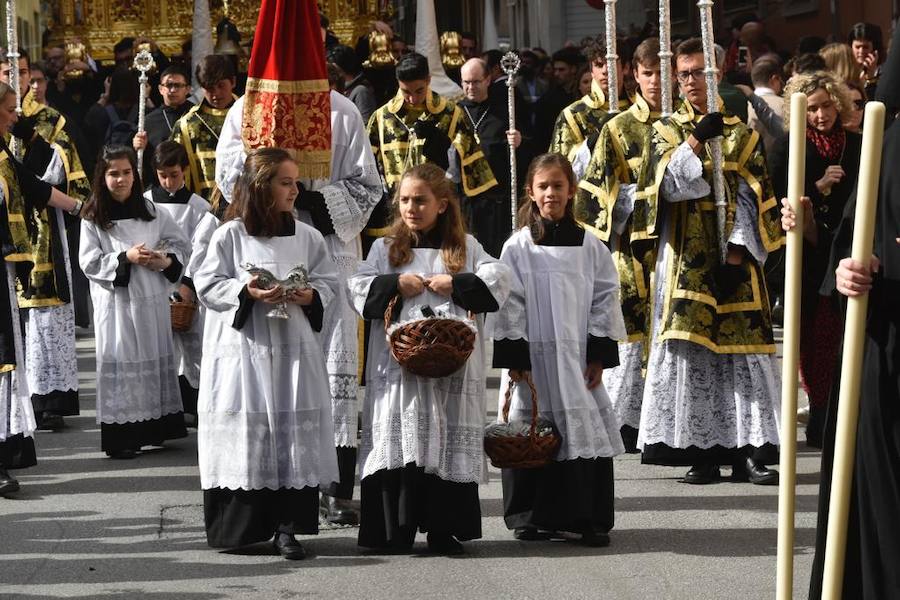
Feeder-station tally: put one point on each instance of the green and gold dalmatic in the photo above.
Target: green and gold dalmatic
(40, 263)
(581, 119)
(198, 131)
(620, 151)
(691, 311)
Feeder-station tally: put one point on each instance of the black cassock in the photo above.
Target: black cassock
(872, 567)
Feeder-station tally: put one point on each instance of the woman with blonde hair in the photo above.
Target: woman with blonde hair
(840, 62)
(832, 164)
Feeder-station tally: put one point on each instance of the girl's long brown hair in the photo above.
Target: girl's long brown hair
(98, 207)
(252, 201)
(529, 213)
(449, 224)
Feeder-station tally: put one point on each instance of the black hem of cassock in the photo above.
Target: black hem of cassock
(575, 495)
(346, 458)
(17, 452)
(235, 518)
(661, 454)
(189, 395)
(61, 403)
(629, 439)
(131, 436)
(396, 503)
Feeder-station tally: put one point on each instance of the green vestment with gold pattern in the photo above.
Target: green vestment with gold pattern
(580, 120)
(396, 148)
(198, 131)
(693, 309)
(621, 148)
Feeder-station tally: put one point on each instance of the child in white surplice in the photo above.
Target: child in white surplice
(561, 323)
(192, 213)
(132, 253)
(265, 437)
(421, 453)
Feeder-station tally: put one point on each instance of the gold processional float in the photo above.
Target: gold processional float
(95, 26)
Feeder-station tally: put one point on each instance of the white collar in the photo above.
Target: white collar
(764, 91)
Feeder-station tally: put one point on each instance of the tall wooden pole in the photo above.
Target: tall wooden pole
(851, 363)
(790, 362)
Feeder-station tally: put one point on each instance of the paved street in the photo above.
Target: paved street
(85, 526)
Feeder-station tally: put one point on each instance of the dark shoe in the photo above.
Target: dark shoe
(125, 454)
(444, 544)
(287, 546)
(190, 420)
(755, 473)
(702, 474)
(530, 534)
(595, 539)
(51, 422)
(8, 483)
(815, 427)
(338, 511)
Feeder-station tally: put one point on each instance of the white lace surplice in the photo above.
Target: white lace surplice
(693, 396)
(50, 358)
(350, 196)
(263, 409)
(437, 424)
(197, 223)
(137, 376)
(16, 412)
(562, 295)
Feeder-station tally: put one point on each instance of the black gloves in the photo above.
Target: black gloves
(709, 127)
(314, 204)
(24, 128)
(728, 277)
(436, 143)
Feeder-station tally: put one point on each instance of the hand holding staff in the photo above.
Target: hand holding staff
(790, 362)
(851, 363)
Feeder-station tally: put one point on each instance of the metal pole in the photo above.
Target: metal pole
(12, 54)
(510, 64)
(143, 62)
(665, 56)
(612, 59)
(712, 105)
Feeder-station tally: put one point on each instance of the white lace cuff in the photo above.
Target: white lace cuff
(684, 176)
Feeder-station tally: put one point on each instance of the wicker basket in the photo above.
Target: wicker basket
(522, 451)
(430, 347)
(182, 315)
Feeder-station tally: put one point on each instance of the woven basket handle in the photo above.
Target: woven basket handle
(389, 312)
(534, 406)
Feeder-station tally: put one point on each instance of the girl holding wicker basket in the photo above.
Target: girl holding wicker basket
(559, 328)
(421, 456)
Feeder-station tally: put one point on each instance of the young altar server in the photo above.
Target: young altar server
(265, 434)
(192, 213)
(561, 323)
(421, 455)
(132, 253)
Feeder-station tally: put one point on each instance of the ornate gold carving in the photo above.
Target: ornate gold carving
(99, 24)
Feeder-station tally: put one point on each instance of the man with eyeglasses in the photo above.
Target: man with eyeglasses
(489, 213)
(711, 392)
(174, 86)
(585, 117)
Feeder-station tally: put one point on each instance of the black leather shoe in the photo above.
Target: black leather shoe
(8, 483)
(702, 474)
(755, 473)
(530, 534)
(595, 539)
(287, 546)
(444, 544)
(338, 511)
(125, 454)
